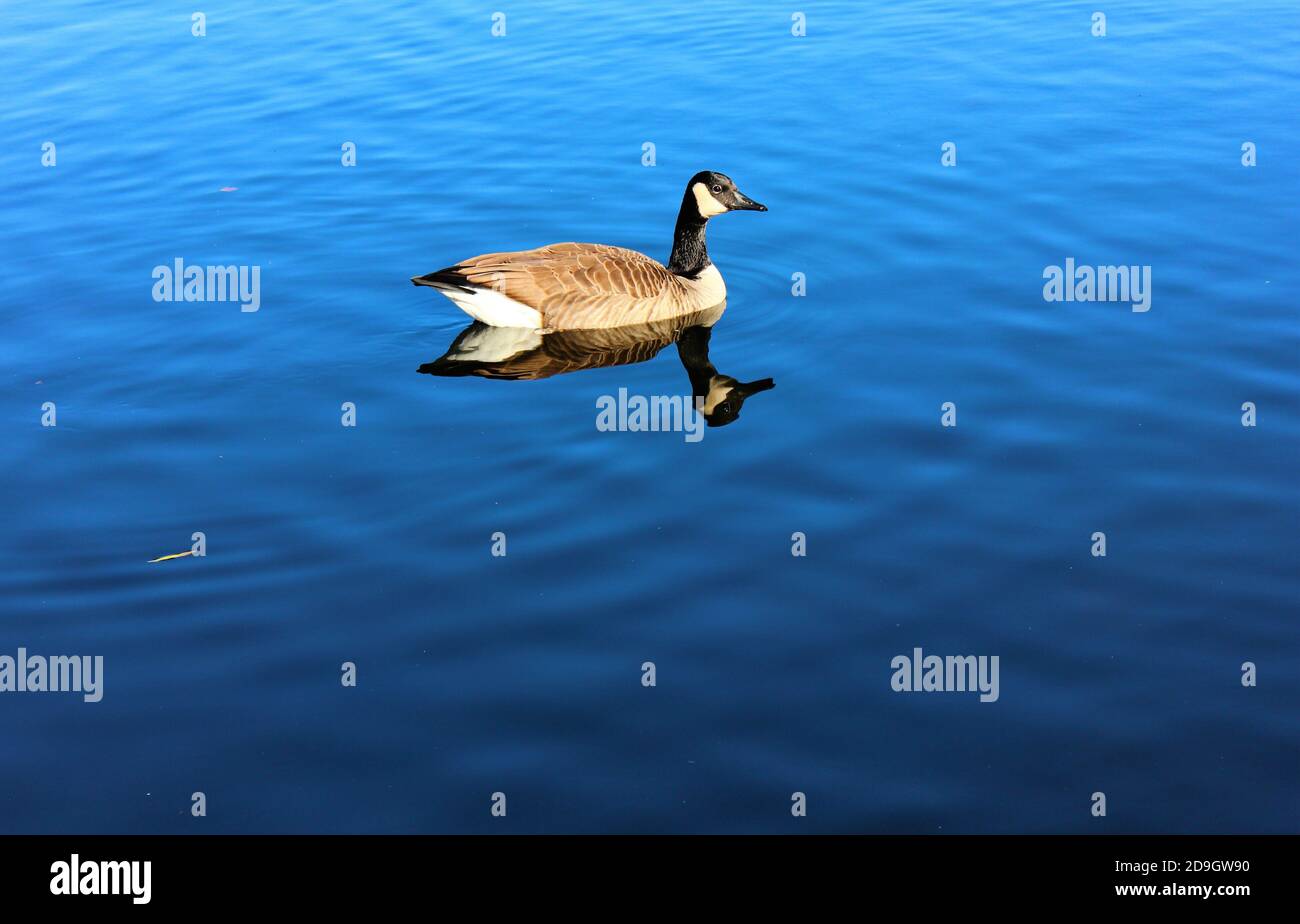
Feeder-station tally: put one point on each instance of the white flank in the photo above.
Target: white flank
(491, 307)
(496, 344)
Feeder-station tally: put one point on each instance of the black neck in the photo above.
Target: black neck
(693, 350)
(690, 256)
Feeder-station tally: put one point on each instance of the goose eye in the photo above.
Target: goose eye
(717, 188)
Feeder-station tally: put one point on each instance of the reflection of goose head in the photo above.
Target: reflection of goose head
(726, 395)
(522, 354)
(720, 396)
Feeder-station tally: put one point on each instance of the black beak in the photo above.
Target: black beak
(744, 203)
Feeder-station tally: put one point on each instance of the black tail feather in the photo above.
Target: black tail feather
(451, 277)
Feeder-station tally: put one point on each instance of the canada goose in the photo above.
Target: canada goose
(587, 286)
(525, 354)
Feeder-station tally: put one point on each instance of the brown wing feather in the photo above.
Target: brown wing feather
(581, 285)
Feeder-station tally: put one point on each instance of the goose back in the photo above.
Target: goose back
(576, 286)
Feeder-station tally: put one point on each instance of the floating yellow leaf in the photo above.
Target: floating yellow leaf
(177, 555)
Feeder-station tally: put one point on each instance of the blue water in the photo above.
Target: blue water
(522, 674)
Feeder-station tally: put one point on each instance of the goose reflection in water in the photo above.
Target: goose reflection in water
(524, 354)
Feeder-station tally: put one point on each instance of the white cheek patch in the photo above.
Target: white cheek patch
(720, 389)
(705, 202)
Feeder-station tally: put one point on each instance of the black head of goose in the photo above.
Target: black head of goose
(592, 286)
(719, 397)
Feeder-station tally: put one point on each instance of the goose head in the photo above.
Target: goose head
(719, 397)
(713, 193)
(723, 396)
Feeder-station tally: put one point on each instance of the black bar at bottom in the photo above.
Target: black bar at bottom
(336, 873)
